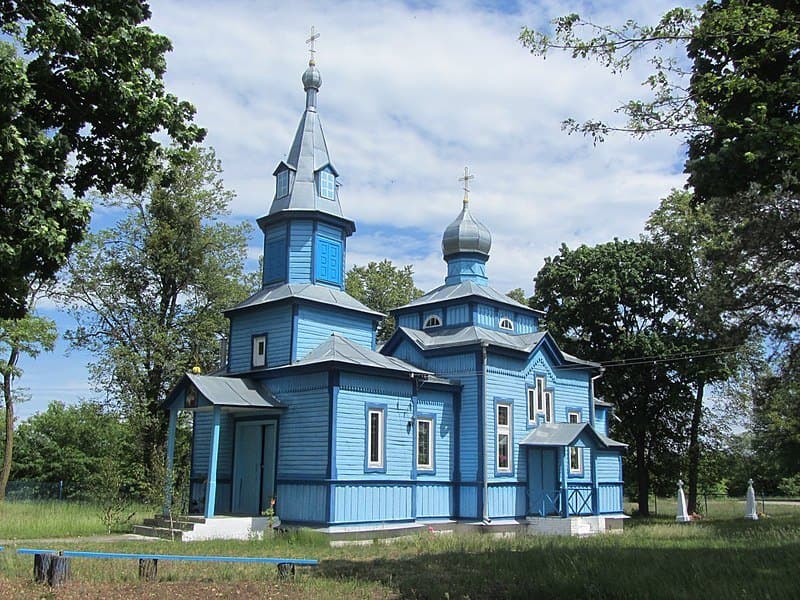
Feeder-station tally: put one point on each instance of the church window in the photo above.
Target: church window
(375, 441)
(575, 460)
(259, 356)
(574, 416)
(503, 461)
(548, 407)
(327, 185)
(425, 443)
(283, 184)
(432, 321)
(506, 323)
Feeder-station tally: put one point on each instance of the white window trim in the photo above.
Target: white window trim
(548, 407)
(577, 416)
(331, 178)
(502, 430)
(506, 323)
(429, 465)
(531, 405)
(539, 395)
(379, 463)
(259, 359)
(432, 321)
(576, 451)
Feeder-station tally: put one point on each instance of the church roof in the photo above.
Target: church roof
(565, 434)
(305, 291)
(308, 155)
(466, 289)
(464, 336)
(339, 349)
(231, 391)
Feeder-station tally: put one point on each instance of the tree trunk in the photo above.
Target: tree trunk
(8, 398)
(642, 476)
(694, 446)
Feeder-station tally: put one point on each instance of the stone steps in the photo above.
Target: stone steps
(161, 527)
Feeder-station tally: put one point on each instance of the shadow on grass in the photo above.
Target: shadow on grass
(584, 569)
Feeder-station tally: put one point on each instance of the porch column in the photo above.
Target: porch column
(564, 481)
(170, 479)
(211, 485)
(595, 486)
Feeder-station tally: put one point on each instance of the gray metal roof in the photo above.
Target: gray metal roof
(232, 391)
(466, 234)
(445, 338)
(307, 155)
(466, 289)
(564, 434)
(341, 350)
(305, 291)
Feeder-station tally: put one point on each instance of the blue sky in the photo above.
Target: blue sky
(412, 92)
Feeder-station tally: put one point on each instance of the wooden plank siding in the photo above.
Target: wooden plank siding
(301, 244)
(275, 321)
(315, 325)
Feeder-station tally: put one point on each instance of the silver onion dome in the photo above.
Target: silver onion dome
(466, 234)
(312, 78)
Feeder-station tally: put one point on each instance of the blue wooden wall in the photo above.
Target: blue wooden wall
(275, 321)
(316, 323)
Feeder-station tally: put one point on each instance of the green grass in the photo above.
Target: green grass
(53, 519)
(718, 557)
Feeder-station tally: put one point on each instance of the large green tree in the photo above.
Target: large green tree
(83, 105)
(618, 303)
(726, 78)
(28, 335)
(382, 287)
(148, 293)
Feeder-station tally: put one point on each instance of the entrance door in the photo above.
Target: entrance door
(543, 494)
(254, 467)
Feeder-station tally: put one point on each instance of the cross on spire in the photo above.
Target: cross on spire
(310, 41)
(466, 179)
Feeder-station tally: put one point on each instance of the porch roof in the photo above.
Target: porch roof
(565, 434)
(228, 391)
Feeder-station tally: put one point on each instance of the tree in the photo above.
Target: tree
(29, 335)
(148, 293)
(382, 287)
(83, 106)
(617, 303)
(518, 294)
(735, 102)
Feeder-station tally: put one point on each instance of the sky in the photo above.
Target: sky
(412, 93)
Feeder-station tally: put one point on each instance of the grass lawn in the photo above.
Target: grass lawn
(719, 557)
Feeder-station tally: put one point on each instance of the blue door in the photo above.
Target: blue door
(254, 467)
(543, 493)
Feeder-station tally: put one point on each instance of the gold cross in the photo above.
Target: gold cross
(310, 41)
(466, 178)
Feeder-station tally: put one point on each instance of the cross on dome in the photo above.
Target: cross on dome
(466, 179)
(310, 41)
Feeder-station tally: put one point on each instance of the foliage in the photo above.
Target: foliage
(83, 101)
(148, 293)
(619, 303)
(109, 492)
(382, 287)
(518, 294)
(27, 335)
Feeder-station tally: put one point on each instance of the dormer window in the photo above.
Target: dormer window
(432, 321)
(506, 323)
(282, 184)
(327, 185)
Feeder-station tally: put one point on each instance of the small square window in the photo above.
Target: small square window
(574, 417)
(259, 357)
(327, 185)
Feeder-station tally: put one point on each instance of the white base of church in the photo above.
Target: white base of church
(576, 526)
(229, 528)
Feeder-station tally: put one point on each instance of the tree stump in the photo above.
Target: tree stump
(41, 567)
(148, 569)
(59, 570)
(286, 570)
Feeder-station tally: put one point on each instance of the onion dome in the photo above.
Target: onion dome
(466, 234)
(312, 78)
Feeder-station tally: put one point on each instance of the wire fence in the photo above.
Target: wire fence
(28, 489)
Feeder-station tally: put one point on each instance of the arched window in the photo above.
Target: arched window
(506, 323)
(432, 321)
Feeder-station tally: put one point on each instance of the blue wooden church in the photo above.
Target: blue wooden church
(469, 414)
